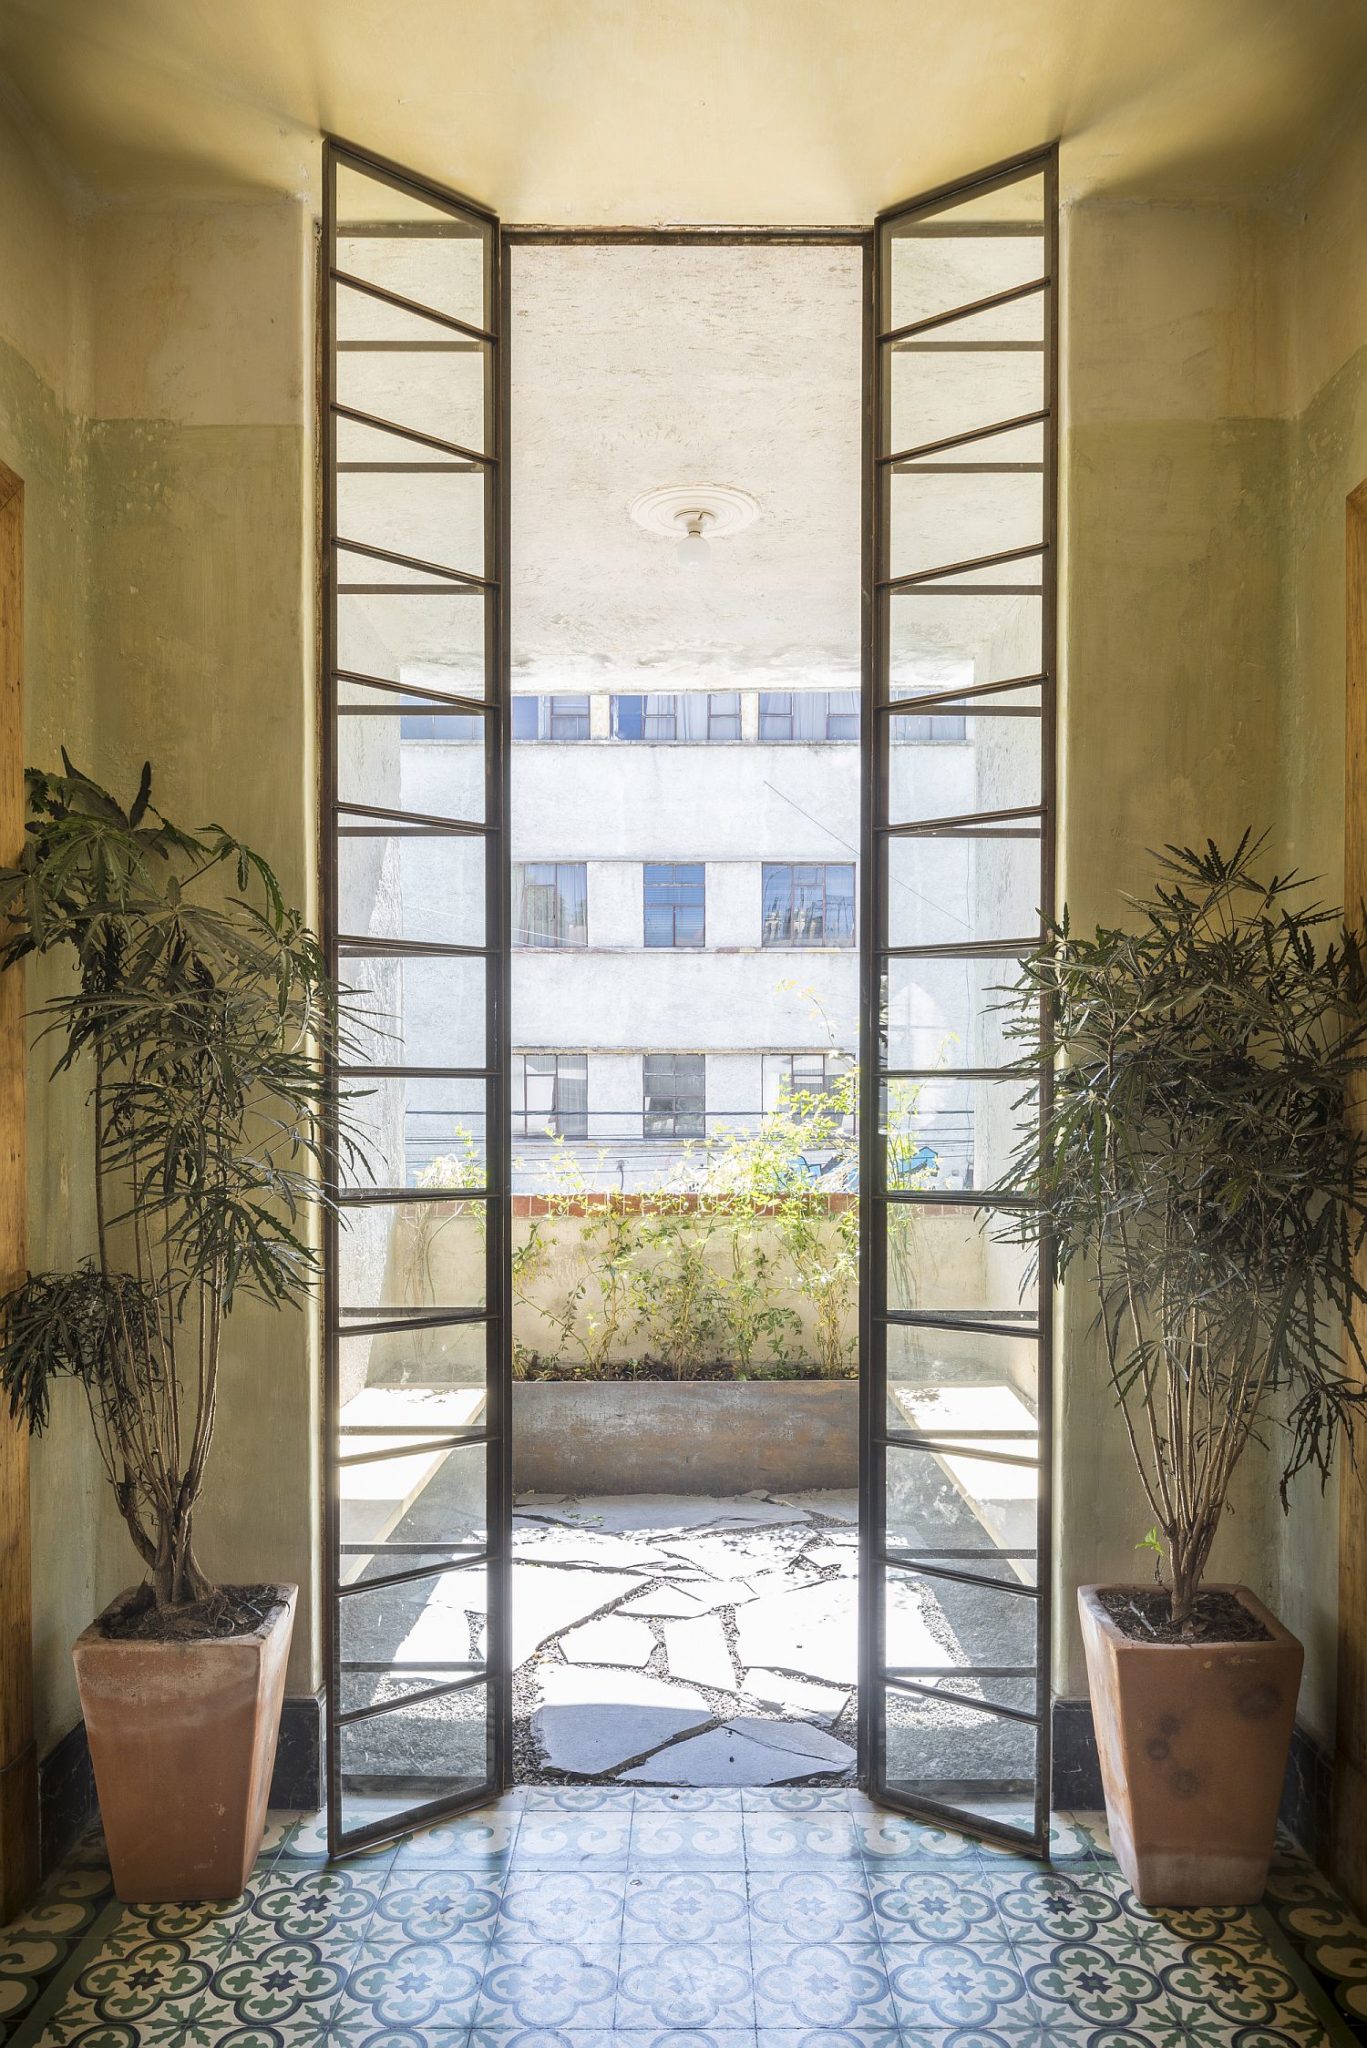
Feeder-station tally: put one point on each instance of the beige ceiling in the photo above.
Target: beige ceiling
(597, 111)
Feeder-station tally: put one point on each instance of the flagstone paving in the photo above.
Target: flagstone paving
(599, 1917)
(657, 1639)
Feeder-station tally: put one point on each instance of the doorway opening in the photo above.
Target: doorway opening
(685, 649)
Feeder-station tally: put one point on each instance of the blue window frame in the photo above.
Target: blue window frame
(675, 903)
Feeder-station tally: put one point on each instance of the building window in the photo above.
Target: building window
(550, 1095)
(673, 1095)
(808, 715)
(441, 725)
(808, 906)
(804, 1078)
(551, 903)
(675, 898)
(678, 715)
(927, 729)
(551, 718)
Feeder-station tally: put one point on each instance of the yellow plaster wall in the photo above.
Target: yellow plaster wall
(202, 639)
(1173, 463)
(77, 1561)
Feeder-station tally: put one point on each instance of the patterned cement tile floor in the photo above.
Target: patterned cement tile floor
(717, 1919)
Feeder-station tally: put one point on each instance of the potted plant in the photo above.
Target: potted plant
(198, 1005)
(1200, 1161)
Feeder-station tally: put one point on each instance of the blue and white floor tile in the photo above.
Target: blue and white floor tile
(621, 1919)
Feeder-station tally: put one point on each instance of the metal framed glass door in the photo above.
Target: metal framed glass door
(958, 875)
(416, 918)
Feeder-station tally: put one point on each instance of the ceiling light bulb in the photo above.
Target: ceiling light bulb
(694, 551)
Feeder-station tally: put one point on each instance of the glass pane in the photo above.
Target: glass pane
(963, 1757)
(947, 642)
(436, 1750)
(427, 253)
(428, 1355)
(427, 760)
(959, 254)
(417, 1132)
(948, 1013)
(954, 1132)
(962, 1514)
(368, 450)
(395, 1256)
(929, 1355)
(431, 515)
(437, 638)
(417, 1013)
(425, 887)
(934, 519)
(951, 763)
(955, 890)
(437, 383)
(962, 1639)
(933, 396)
(954, 1259)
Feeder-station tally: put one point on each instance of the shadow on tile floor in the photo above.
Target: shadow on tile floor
(726, 1919)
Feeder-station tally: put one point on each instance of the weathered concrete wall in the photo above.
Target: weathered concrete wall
(690, 1438)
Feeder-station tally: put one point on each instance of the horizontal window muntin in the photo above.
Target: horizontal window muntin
(964, 949)
(978, 1322)
(368, 1198)
(393, 1322)
(353, 283)
(969, 825)
(968, 436)
(370, 553)
(973, 699)
(988, 1445)
(385, 824)
(368, 947)
(416, 435)
(894, 1676)
(947, 1198)
(913, 578)
(1033, 287)
(347, 1716)
(422, 1446)
(423, 696)
(917, 1561)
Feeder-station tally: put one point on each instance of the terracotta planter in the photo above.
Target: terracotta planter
(1193, 1740)
(182, 1737)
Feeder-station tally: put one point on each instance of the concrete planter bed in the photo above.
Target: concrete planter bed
(652, 1436)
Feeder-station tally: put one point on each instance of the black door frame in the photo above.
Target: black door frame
(872, 1377)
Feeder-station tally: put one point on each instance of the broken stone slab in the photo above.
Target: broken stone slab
(549, 1543)
(684, 1597)
(800, 1696)
(745, 1751)
(590, 1720)
(840, 1503)
(810, 1632)
(548, 1599)
(610, 1640)
(657, 1511)
(697, 1651)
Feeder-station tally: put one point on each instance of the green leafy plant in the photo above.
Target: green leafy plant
(199, 1007)
(1201, 1161)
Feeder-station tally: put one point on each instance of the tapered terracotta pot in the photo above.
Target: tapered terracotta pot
(1193, 1740)
(182, 1736)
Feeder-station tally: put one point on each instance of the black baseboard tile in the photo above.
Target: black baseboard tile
(1307, 1795)
(297, 1781)
(66, 1797)
(1076, 1781)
